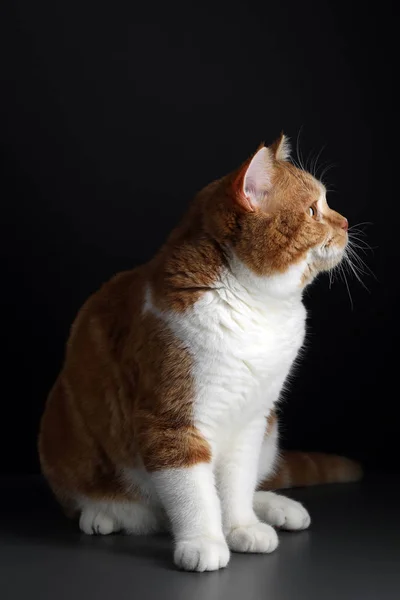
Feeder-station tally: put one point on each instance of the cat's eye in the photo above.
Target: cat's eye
(311, 211)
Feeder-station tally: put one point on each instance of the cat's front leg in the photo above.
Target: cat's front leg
(190, 499)
(272, 508)
(237, 478)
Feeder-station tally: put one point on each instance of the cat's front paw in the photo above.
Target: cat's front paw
(258, 537)
(201, 554)
(280, 511)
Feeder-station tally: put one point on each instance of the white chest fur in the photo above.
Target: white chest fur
(243, 340)
(242, 356)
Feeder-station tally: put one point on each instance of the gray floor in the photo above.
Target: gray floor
(352, 551)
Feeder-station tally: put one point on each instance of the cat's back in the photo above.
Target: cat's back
(108, 316)
(104, 331)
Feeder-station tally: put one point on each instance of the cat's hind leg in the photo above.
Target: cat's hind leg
(134, 509)
(105, 517)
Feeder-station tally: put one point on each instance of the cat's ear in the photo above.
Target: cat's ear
(281, 148)
(254, 180)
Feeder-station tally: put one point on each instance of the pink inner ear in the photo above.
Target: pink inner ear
(257, 180)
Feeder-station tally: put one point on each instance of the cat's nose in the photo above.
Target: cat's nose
(345, 224)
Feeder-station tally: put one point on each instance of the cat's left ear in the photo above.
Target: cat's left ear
(281, 148)
(254, 180)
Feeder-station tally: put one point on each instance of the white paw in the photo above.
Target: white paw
(201, 554)
(258, 537)
(95, 521)
(280, 511)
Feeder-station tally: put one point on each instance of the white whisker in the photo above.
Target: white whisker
(314, 164)
(298, 152)
(325, 171)
(362, 265)
(353, 269)
(347, 285)
(363, 223)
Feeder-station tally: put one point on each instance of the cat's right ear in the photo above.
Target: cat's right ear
(253, 182)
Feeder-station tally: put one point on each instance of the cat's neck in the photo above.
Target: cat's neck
(192, 263)
(276, 288)
(189, 264)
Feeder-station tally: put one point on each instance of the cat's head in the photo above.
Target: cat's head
(274, 221)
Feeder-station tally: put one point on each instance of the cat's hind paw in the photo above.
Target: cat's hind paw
(96, 522)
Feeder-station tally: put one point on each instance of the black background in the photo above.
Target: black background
(111, 120)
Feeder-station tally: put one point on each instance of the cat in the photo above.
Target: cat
(163, 417)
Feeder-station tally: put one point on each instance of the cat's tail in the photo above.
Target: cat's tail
(298, 469)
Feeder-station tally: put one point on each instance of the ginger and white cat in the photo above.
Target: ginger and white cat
(163, 416)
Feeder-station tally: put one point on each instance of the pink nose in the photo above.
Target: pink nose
(345, 224)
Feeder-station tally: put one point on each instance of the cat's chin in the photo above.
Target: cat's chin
(332, 263)
(318, 264)
(324, 261)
